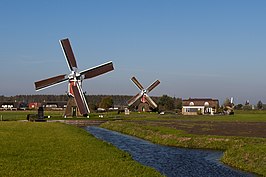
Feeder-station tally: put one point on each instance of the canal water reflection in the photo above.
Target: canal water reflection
(170, 161)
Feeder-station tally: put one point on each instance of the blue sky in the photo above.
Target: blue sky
(195, 48)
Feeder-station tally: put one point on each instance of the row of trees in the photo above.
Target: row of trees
(165, 103)
(92, 99)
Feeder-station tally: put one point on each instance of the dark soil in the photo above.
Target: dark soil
(246, 129)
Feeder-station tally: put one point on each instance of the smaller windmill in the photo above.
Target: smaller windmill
(145, 100)
(230, 107)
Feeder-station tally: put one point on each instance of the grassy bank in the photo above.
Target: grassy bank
(244, 153)
(54, 149)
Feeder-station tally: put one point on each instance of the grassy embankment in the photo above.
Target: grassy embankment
(54, 149)
(241, 152)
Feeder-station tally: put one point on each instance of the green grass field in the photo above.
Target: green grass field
(54, 149)
(22, 115)
(242, 116)
(48, 149)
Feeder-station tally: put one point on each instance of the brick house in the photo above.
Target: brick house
(195, 106)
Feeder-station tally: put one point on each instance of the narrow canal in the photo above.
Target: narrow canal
(169, 161)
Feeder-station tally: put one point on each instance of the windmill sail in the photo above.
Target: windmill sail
(134, 99)
(153, 85)
(69, 55)
(50, 82)
(151, 102)
(137, 83)
(80, 99)
(98, 70)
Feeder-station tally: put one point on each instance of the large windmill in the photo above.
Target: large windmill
(145, 100)
(75, 78)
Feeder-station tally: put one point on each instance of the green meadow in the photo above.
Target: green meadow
(55, 149)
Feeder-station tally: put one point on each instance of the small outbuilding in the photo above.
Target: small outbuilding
(200, 106)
